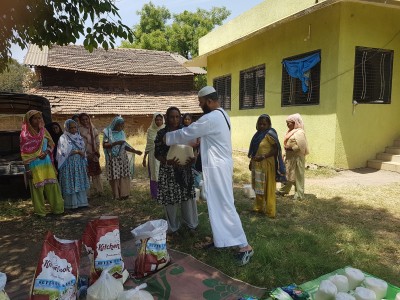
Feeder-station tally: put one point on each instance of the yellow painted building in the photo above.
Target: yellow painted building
(351, 110)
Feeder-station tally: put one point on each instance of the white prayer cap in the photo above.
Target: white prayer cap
(207, 90)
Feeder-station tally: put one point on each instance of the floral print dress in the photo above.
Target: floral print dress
(174, 184)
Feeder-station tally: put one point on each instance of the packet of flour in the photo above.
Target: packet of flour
(56, 274)
(101, 239)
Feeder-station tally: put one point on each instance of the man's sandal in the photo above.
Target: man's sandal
(243, 258)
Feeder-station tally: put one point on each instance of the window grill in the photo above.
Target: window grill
(373, 75)
(223, 87)
(252, 88)
(292, 92)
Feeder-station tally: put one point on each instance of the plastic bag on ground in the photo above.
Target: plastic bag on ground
(136, 294)
(105, 288)
(151, 245)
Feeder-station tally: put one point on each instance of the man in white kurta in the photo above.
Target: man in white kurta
(216, 154)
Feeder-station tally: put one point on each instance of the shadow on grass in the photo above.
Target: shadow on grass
(307, 239)
(319, 235)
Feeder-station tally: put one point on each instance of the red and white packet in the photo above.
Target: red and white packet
(102, 242)
(57, 272)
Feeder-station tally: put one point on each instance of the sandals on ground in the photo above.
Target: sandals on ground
(243, 258)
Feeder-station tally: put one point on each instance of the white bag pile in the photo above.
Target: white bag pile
(353, 285)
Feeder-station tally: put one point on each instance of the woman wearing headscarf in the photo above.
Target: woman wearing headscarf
(36, 147)
(117, 162)
(296, 148)
(266, 166)
(90, 136)
(56, 132)
(72, 167)
(157, 123)
(176, 182)
(75, 117)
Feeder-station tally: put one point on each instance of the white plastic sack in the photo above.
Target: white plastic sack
(341, 282)
(202, 191)
(362, 293)
(326, 291)
(105, 288)
(249, 191)
(377, 285)
(136, 294)
(150, 229)
(180, 152)
(355, 277)
(344, 296)
(3, 280)
(151, 245)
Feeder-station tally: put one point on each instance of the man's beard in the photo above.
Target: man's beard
(206, 109)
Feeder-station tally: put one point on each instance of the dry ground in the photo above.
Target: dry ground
(358, 177)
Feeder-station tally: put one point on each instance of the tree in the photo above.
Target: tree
(182, 35)
(150, 33)
(45, 22)
(17, 78)
(189, 27)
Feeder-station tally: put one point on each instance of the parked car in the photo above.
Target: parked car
(13, 107)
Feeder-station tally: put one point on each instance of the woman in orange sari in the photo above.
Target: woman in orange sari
(36, 147)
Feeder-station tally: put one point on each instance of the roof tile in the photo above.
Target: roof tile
(114, 61)
(66, 100)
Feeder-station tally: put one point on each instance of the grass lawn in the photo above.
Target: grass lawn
(335, 226)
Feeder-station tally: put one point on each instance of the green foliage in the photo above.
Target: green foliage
(181, 36)
(14, 79)
(59, 22)
(200, 81)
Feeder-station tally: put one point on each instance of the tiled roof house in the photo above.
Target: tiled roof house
(133, 83)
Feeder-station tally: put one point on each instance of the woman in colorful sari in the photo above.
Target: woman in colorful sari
(153, 164)
(296, 148)
(92, 146)
(266, 166)
(72, 166)
(56, 132)
(176, 182)
(117, 162)
(36, 147)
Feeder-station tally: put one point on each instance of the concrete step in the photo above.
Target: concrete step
(392, 150)
(396, 142)
(384, 165)
(388, 157)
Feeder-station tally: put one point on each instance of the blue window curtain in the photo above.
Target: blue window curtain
(299, 68)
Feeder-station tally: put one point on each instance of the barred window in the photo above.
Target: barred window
(223, 87)
(252, 88)
(292, 91)
(373, 75)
